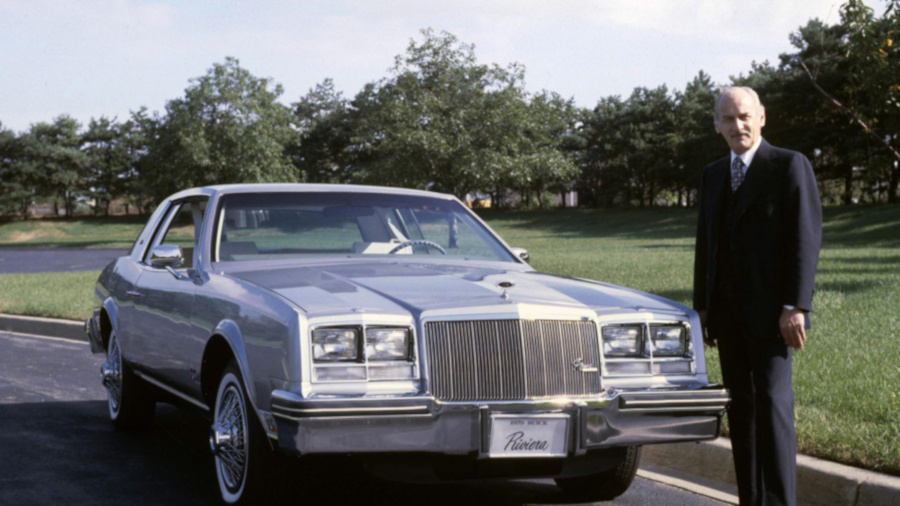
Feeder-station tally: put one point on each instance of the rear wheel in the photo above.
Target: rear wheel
(242, 454)
(131, 406)
(606, 485)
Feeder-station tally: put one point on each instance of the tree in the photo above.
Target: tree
(697, 137)
(854, 68)
(228, 128)
(446, 122)
(109, 162)
(603, 180)
(875, 76)
(630, 148)
(51, 164)
(321, 150)
(16, 188)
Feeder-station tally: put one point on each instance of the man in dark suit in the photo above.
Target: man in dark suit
(758, 239)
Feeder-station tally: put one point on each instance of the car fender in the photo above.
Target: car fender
(232, 335)
(111, 309)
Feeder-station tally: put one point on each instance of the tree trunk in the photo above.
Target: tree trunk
(893, 198)
(847, 198)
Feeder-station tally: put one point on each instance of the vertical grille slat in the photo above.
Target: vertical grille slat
(511, 359)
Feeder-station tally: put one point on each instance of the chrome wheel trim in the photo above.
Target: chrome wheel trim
(228, 438)
(111, 373)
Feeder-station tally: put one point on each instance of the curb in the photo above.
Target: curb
(708, 465)
(66, 329)
(703, 468)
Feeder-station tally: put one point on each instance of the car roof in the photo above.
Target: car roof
(225, 189)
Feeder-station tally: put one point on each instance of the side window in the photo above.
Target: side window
(182, 227)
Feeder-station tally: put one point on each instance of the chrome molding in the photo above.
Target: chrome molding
(172, 391)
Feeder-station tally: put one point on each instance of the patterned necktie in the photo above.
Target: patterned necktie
(737, 175)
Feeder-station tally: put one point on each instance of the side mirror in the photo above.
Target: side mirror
(521, 253)
(166, 256)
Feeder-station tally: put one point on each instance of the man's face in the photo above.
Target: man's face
(740, 120)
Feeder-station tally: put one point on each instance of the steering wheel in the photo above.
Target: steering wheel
(417, 242)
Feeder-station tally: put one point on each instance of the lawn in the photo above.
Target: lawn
(847, 380)
(94, 232)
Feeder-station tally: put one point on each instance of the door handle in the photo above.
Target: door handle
(134, 295)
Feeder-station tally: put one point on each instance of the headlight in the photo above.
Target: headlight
(668, 340)
(387, 344)
(335, 345)
(623, 341)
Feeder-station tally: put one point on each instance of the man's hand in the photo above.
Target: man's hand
(793, 327)
(706, 339)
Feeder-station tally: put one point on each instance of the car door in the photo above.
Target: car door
(164, 300)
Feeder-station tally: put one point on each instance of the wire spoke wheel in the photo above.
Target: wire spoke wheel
(111, 372)
(229, 436)
(239, 447)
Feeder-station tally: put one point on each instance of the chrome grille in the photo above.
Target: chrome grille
(511, 359)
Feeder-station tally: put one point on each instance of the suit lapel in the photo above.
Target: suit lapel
(718, 181)
(757, 174)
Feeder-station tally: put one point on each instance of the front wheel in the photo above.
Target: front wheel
(131, 406)
(607, 485)
(238, 443)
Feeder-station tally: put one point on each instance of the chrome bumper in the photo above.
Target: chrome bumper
(423, 424)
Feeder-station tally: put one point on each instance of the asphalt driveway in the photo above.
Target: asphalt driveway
(30, 260)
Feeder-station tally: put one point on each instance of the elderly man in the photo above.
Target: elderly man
(758, 239)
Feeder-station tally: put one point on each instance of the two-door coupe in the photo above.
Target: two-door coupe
(393, 326)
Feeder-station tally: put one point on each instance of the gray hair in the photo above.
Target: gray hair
(729, 90)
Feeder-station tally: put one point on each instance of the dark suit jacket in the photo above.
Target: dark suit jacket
(775, 240)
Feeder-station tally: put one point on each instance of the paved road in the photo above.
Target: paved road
(57, 447)
(29, 260)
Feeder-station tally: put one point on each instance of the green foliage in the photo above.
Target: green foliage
(321, 151)
(16, 187)
(228, 128)
(89, 232)
(52, 164)
(48, 294)
(443, 121)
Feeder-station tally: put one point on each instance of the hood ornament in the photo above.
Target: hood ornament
(505, 285)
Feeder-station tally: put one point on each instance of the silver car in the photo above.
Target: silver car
(394, 326)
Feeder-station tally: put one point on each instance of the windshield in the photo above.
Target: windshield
(258, 226)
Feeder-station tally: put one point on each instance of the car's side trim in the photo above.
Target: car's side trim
(171, 390)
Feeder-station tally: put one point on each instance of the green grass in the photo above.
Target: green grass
(51, 294)
(113, 232)
(847, 380)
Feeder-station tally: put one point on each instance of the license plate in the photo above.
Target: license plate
(528, 436)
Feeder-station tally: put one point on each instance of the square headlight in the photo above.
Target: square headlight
(335, 345)
(388, 343)
(623, 341)
(668, 340)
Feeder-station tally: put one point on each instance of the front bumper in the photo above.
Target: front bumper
(424, 424)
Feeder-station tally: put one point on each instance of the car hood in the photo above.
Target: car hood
(410, 287)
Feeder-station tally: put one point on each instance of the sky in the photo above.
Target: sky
(93, 58)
